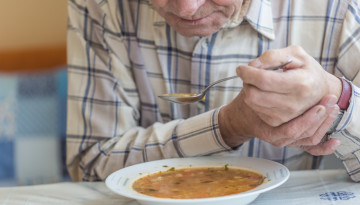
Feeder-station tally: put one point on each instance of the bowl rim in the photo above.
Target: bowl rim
(253, 192)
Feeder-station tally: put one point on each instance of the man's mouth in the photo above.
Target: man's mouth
(193, 21)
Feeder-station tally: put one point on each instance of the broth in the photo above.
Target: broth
(182, 94)
(191, 183)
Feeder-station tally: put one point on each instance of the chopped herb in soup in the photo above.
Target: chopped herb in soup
(191, 183)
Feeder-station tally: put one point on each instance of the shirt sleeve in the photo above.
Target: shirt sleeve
(103, 132)
(348, 130)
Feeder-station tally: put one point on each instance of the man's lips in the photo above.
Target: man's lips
(193, 21)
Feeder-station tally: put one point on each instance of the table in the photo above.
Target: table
(303, 187)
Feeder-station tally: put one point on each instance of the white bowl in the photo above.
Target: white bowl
(121, 181)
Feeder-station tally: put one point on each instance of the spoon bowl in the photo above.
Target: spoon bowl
(187, 98)
(182, 97)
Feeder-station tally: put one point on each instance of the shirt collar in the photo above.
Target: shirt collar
(259, 15)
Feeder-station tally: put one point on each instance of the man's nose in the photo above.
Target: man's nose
(187, 8)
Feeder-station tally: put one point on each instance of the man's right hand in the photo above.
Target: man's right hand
(238, 123)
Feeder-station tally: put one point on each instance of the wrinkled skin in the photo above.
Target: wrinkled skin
(293, 108)
(197, 17)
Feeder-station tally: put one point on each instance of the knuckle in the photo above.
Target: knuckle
(273, 122)
(291, 133)
(304, 87)
(291, 113)
(291, 110)
(269, 54)
(297, 49)
(285, 118)
(315, 140)
(304, 92)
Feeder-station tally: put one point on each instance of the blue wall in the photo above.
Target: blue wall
(32, 128)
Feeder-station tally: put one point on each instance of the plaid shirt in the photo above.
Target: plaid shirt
(122, 55)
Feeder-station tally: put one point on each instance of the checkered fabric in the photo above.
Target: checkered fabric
(122, 55)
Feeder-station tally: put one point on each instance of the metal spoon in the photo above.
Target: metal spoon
(186, 98)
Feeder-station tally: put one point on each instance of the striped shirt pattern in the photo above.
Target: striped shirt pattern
(122, 55)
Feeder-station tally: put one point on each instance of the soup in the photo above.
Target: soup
(182, 94)
(191, 183)
(183, 97)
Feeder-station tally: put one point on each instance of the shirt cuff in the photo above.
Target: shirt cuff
(346, 118)
(348, 128)
(352, 165)
(200, 135)
(347, 132)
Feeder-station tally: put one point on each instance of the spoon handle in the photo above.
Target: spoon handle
(218, 81)
(232, 77)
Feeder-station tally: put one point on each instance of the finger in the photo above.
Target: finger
(314, 134)
(265, 99)
(272, 103)
(294, 129)
(275, 65)
(266, 80)
(275, 57)
(273, 116)
(280, 66)
(325, 148)
(321, 131)
(273, 121)
(325, 126)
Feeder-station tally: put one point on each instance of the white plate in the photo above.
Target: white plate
(121, 181)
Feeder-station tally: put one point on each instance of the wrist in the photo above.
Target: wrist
(334, 86)
(232, 125)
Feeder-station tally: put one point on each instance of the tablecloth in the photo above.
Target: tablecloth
(303, 187)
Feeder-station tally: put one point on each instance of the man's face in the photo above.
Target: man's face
(197, 17)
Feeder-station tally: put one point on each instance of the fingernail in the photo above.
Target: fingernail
(320, 111)
(331, 101)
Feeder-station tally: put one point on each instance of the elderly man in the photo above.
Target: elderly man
(122, 54)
